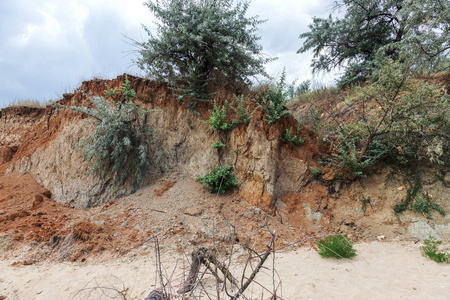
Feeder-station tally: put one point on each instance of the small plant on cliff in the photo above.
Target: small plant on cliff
(218, 118)
(218, 145)
(316, 172)
(289, 137)
(220, 179)
(272, 100)
(335, 246)
(122, 145)
(430, 250)
(242, 111)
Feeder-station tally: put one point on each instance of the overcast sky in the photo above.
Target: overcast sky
(48, 47)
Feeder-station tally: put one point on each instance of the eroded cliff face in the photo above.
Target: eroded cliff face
(43, 144)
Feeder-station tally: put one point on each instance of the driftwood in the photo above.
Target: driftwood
(156, 295)
(201, 256)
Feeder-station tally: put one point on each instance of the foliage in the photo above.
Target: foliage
(218, 145)
(316, 172)
(418, 201)
(416, 30)
(196, 40)
(346, 159)
(423, 205)
(122, 145)
(289, 137)
(430, 250)
(364, 202)
(411, 193)
(336, 246)
(218, 118)
(242, 112)
(273, 100)
(395, 117)
(220, 179)
(302, 88)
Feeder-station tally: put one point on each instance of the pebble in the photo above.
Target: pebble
(381, 237)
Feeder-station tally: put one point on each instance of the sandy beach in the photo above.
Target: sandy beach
(382, 270)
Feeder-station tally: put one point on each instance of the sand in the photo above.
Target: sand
(382, 270)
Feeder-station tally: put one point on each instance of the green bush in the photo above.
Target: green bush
(122, 145)
(218, 145)
(335, 246)
(289, 137)
(273, 100)
(430, 250)
(423, 205)
(218, 118)
(316, 172)
(220, 179)
(242, 111)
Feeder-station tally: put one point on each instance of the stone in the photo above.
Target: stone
(422, 230)
(5, 155)
(381, 237)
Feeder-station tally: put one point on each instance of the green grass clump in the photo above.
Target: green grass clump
(220, 179)
(430, 250)
(335, 246)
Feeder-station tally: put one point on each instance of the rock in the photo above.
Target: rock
(255, 193)
(400, 188)
(168, 184)
(6, 243)
(381, 237)
(194, 211)
(422, 230)
(5, 155)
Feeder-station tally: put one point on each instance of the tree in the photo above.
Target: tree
(198, 39)
(122, 145)
(417, 31)
(395, 115)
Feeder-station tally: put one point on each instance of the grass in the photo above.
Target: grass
(335, 246)
(27, 103)
(430, 250)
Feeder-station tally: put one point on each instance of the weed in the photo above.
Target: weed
(289, 137)
(218, 145)
(424, 205)
(316, 172)
(430, 250)
(220, 179)
(218, 118)
(242, 112)
(335, 246)
(364, 202)
(272, 101)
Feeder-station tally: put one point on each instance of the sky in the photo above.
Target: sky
(48, 47)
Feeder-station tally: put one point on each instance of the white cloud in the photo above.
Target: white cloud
(51, 45)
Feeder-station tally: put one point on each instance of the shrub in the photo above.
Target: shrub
(424, 205)
(122, 145)
(218, 118)
(336, 246)
(220, 179)
(430, 250)
(218, 145)
(242, 112)
(316, 172)
(289, 137)
(273, 100)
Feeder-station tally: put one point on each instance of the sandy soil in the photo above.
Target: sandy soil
(382, 270)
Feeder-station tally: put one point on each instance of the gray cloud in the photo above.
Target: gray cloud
(49, 46)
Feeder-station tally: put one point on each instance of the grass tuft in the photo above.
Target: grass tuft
(335, 246)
